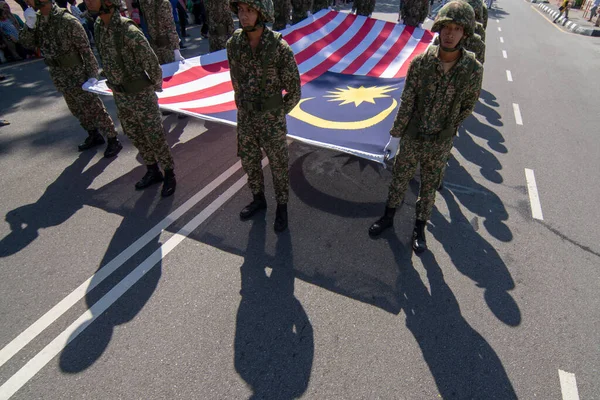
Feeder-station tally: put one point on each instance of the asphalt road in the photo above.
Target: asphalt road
(97, 303)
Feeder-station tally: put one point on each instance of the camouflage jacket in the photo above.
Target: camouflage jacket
(220, 21)
(247, 69)
(429, 95)
(161, 23)
(137, 56)
(414, 12)
(480, 30)
(58, 35)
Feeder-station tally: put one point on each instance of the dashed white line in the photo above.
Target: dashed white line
(33, 366)
(499, 29)
(534, 199)
(497, 21)
(504, 54)
(508, 76)
(501, 39)
(517, 111)
(568, 385)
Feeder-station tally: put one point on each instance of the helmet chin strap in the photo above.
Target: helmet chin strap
(450, 49)
(258, 24)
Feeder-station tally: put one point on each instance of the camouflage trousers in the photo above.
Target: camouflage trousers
(282, 14)
(319, 5)
(365, 7)
(219, 32)
(414, 12)
(141, 121)
(299, 9)
(165, 56)
(217, 42)
(432, 157)
(90, 111)
(267, 130)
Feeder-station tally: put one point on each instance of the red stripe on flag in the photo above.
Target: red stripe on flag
(194, 73)
(392, 53)
(298, 34)
(340, 53)
(419, 48)
(320, 44)
(356, 64)
(216, 90)
(229, 106)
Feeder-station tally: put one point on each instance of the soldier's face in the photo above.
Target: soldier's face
(451, 34)
(247, 14)
(92, 5)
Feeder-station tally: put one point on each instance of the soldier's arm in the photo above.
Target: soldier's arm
(407, 101)
(233, 69)
(28, 38)
(471, 95)
(168, 24)
(79, 40)
(485, 16)
(136, 42)
(290, 77)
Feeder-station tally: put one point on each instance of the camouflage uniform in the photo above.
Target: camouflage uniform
(158, 15)
(480, 10)
(365, 7)
(282, 14)
(427, 112)
(319, 5)
(220, 24)
(299, 10)
(484, 16)
(274, 64)
(414, 12)
(61, 35)
(137, 109)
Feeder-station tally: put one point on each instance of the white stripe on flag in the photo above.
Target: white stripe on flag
(197, 84)
(381, 51)
(309, 40)
(204, 102)
(404, 54)
(360, 49)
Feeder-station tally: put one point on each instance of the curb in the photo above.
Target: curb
(573, 27)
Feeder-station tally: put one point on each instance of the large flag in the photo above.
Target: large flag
(352, 70)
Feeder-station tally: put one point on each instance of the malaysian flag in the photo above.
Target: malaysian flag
(352, 70)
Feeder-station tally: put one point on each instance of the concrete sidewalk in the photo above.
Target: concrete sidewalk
(575, 23)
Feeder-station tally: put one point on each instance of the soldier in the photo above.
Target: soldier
(282, 14)
(71, 62)
(133, 74)
(318, 5)
(158, 15)
(441, 89)
(365, 7)
(262, 67)
(220, 24)
(300, 8)
(478, 6)
(414, 12)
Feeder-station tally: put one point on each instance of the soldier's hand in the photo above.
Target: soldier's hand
(90, 82)
(178, 56)
(30, 17)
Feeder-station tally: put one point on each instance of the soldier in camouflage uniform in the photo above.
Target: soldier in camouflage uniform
(300, 8)
(441, 89)
(262, 66)
(134, 74)
(414, 12)
(365, 7)
(69, 57)
(478, 6)
(318, 5)
(158, 15)
(282, 14)
(220, 24)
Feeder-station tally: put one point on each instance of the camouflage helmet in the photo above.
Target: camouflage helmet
(264, 8)
(459, 12)
(478, 8)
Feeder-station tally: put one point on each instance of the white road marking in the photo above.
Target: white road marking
(65, 304)
(508, 76)
(501, 39)
(517, 111)
(568, 385)
(499, 29)
(33, 366)
(504, 54)
(498, 21)
(534, 198)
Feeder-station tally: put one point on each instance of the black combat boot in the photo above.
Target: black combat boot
(441, 186)
(384, 222)
(94, 139)
(152, 176)
(112, 148)
(419, 243)
(170, 183)
(281, 218)
(259, 203)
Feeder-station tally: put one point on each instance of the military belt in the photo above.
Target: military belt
(65, 61)
(130, 86)
(270, 103)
